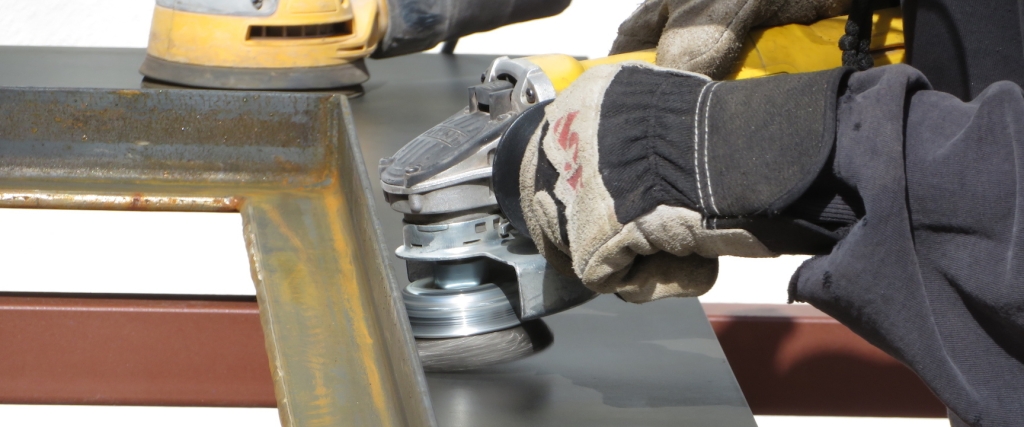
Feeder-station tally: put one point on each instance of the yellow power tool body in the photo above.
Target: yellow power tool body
(793, 48)
(309, 44)
(459, 244)
(263, 44)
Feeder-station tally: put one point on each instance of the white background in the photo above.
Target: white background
(192, 253)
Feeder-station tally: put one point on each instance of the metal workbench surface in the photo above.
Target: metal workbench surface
(611, 364)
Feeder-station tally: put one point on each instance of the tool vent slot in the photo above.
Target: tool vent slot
(258, 32)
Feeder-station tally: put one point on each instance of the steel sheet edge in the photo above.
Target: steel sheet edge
(340, 350)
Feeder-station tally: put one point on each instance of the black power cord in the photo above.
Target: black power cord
(856, 43)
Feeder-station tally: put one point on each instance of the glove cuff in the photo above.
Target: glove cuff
(763, 142)
(725, 149)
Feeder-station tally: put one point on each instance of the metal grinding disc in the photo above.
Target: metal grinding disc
(449, 313)
(458, 354)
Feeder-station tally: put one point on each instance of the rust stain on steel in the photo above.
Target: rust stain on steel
(163, 135)
(271, 223)
(136, 201)
(353, 303)
(128, 93)
(339, 348)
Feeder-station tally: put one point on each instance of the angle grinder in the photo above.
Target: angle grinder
(478, 286)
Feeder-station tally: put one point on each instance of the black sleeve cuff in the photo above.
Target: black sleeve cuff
(418, 25)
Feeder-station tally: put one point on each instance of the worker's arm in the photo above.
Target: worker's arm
(913, 199)
(418, 25)
(931, 271)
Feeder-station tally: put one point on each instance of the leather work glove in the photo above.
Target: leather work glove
(638, 176)
(705, 36)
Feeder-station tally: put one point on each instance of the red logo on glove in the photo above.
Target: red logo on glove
(569, 141)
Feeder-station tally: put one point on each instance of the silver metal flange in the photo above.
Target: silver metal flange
(538, 290)
(446, 313)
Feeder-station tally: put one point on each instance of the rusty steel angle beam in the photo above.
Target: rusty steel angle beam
(340, 350)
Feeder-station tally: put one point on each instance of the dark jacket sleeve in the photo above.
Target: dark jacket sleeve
(932, 271)
(418, 25)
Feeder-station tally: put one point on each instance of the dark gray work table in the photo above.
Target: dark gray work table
(612, 363)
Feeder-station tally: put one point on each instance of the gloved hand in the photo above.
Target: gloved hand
(705, 36)
(640, 176)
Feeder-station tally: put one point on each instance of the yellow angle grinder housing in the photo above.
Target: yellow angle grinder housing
(263, 44)
(310, 44)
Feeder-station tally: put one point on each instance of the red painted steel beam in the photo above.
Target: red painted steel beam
(796, 360)
(132, 351)
(203, 351)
